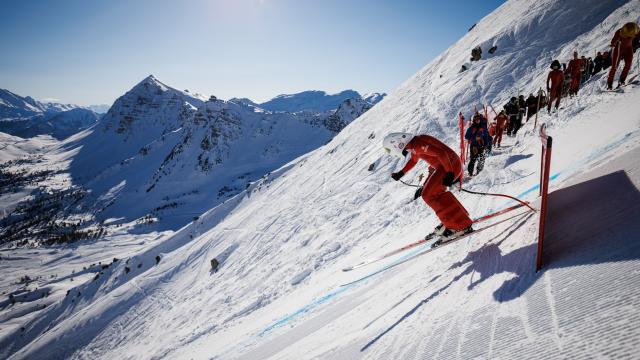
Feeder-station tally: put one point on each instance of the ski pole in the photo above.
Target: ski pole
(412, 185)
(501, 195)
(524, 203)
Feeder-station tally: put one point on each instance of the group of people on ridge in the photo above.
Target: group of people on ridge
(446, 167)
(624, 43)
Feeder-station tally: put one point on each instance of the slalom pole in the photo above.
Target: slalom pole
(462, 147)
(494, 110)
(535, 122)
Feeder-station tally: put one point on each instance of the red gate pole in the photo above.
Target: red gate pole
(462, 146)
(535, 122)
(547, 143)
(494, 110)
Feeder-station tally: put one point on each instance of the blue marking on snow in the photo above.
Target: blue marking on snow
(573, 168)
(334, 293)
(323, 299)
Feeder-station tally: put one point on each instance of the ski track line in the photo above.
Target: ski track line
(554, 316)
(323, 299)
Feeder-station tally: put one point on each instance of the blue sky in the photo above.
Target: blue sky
(91, 52)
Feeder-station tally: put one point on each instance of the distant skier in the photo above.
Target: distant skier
(445, 169)
(588, 69)
(598, 63)
(532, 106)
(555, 81)
(606, 60)
(622, 45)
(513, 110)
(522, 109)
(575, 68)
(479, 143)
(501, 122)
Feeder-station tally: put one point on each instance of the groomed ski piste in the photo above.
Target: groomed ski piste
(280, 292)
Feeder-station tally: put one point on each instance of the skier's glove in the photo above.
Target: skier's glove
(397, 175)
(448, 179)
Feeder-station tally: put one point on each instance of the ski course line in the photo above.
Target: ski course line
(572, 169)
(342, 289)
(429, 248)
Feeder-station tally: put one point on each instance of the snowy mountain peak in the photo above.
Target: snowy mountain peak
(150, 84)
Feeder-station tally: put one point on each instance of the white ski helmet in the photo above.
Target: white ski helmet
(394, 143)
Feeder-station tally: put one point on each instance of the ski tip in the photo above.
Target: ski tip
(348, 268)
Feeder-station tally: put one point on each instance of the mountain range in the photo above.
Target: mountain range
(164, 154)
(26, 117)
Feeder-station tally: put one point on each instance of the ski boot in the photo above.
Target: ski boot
(450, 235)
(436, 232)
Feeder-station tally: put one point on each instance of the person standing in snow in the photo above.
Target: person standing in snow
(512, 110)
(479, 143)
(598, 63)
(575, 68)
(522, 109)
(606, 60)
(622, 45)
(447, 169)
(586, 75)
(555, 82)
(501, 121)
(532, 106)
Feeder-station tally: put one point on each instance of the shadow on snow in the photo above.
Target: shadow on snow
(589, 223)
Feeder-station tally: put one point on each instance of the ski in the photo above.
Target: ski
(427, 238)
(431, 248)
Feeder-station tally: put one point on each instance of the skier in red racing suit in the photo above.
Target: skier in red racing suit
(622, 45)
(445, 169)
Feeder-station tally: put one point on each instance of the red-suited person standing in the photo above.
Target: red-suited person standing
(575, 68)
(622, 44)
(555, 81)
(446, 169)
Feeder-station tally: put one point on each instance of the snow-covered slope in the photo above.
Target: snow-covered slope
(172, 156)
(161, 157)
(282, 242)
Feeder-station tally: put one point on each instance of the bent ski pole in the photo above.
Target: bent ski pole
(501, 195)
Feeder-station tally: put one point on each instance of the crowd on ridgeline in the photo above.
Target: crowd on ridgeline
(563, 80)
(446, 168)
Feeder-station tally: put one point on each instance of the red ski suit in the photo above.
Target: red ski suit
(622, 50)
(575, 69)
(556, 77)
(440, 157)
(501, 122)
